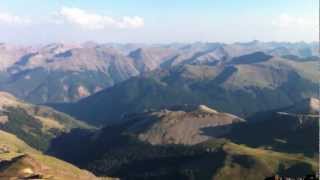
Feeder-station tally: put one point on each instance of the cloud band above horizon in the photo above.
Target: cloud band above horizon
(157, 23)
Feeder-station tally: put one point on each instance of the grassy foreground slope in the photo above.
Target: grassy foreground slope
(245, 163)
(18, 160)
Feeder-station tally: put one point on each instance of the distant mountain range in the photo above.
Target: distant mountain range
(243, 86)
(66, 73)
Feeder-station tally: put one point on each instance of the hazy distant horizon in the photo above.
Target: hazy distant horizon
(153, 44)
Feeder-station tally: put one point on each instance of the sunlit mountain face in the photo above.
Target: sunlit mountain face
(66, 73)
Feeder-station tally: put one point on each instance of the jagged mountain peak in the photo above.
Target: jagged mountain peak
(193, 108)
(204, 108)
(150, 58)
(155, 52)
(315, 104)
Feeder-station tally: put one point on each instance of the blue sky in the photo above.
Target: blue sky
(157, 21)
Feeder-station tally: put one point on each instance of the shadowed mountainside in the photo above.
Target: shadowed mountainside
(36, 125)
(241, 89)
(250, 150)
(20, 161)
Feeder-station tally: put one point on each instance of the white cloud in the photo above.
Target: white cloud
(288, 21)
(94, 21)
(8, 18)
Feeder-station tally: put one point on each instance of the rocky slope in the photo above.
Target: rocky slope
(184, 125)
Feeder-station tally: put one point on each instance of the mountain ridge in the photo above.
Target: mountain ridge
(241, 89)
(231, 156)
(180, 126)
(61, 72)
